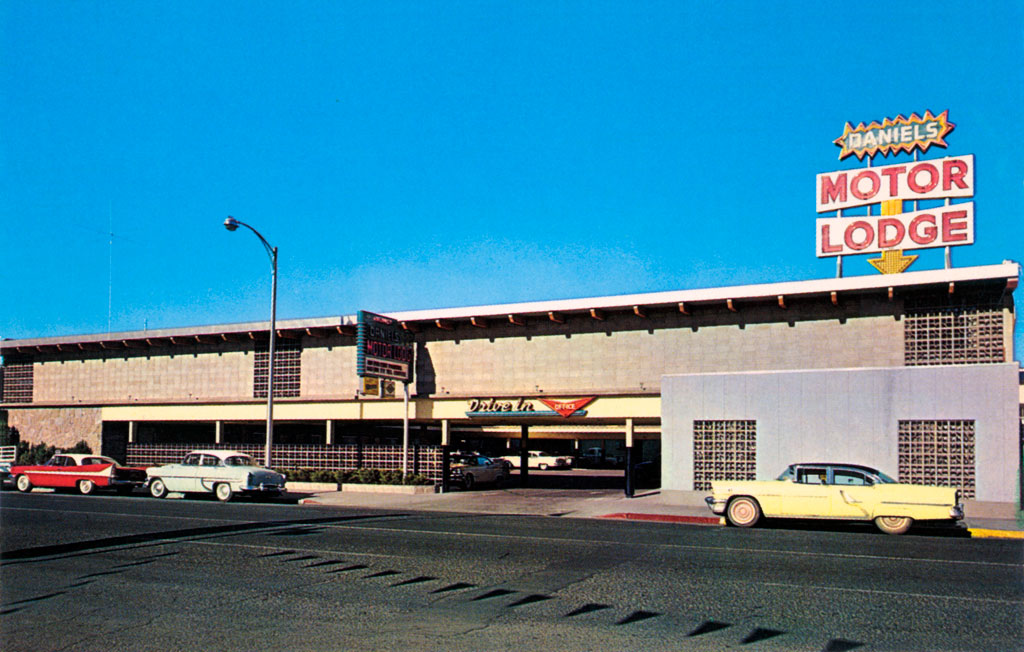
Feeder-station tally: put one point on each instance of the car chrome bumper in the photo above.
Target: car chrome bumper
(263, 488)
(716, 506)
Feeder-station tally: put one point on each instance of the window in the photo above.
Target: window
(191, 460)
(944, 334)
(938, 453)
(287, 369)
(723, 450)
(210, 460)
(17, 383)
(812, 475)
(848, 477)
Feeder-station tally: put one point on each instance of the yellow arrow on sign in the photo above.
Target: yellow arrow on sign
(892, 261)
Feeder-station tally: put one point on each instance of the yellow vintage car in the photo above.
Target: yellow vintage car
(834, 491)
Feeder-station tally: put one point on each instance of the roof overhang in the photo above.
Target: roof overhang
(520, 314)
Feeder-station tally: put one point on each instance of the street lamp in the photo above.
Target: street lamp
(232, 224)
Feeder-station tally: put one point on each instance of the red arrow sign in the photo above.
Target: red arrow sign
(567, 408)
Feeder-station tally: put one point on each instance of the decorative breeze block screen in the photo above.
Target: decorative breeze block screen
(948, 336)
(17, 383)
(723, 450)
(938, 453)
(287, 369)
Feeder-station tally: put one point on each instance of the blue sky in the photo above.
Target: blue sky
(407, 155)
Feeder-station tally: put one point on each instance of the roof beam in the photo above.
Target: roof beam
(410, 326)
(597, 314)
(517, 320)
(479, 322)
(682, 308)
(444, 325)
(835, 298)
(556, 317)
(782, 301)
(639, 312)
(729, 304)
(135, 344)
(952, 287)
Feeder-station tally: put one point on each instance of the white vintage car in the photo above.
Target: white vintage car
(538, 460)
(222, 473)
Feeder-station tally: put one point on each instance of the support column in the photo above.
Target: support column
(629, 458)
(446, 459)
(133, 432)
(329, 433)
(218, 432)
(524, 456)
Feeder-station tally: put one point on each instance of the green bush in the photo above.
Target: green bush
(9, 435)
(35, 454)
(357, 476)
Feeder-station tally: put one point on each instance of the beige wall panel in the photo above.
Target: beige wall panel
(328, 371)
(634, 361)
(183, 376)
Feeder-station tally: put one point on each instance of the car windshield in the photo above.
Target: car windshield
(787, 474)
(239, 460)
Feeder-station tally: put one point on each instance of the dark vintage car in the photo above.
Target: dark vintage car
(84, 472)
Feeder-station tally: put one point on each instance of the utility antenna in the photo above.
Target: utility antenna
(110, 264)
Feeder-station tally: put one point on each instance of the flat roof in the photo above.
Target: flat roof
(1006, 272)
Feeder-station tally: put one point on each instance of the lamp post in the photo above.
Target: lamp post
(232, 224)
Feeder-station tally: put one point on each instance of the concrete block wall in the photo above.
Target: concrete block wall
(635, 360)
(601, 357)
(179, 374)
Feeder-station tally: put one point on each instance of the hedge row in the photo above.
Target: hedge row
(357, 476)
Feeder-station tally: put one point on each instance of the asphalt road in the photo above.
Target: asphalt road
(106, 572)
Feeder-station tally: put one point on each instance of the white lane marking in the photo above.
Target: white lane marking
(900, 594)
(162, 517)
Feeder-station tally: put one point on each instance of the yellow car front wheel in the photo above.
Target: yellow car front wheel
(893, 524)
(743, 512)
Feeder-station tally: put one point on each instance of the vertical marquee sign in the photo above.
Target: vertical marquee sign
(894, 230)
(383, 348)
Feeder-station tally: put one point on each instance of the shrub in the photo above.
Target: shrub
(9, 435)
(357, 476)
(35, 454)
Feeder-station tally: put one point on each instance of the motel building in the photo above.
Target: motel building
(911, 373)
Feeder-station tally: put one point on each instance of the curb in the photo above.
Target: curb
(982, 533)
(666, 518)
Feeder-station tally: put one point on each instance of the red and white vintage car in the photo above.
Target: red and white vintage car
(86, 473)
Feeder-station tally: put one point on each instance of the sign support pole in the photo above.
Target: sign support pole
(405, 432)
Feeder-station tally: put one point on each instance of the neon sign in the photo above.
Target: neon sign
(895, 135)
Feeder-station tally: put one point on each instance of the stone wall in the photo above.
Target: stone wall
(59, 427)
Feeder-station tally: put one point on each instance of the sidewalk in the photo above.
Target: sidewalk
(984, 520)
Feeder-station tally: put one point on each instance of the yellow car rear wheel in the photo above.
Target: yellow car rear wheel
(743, 512)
